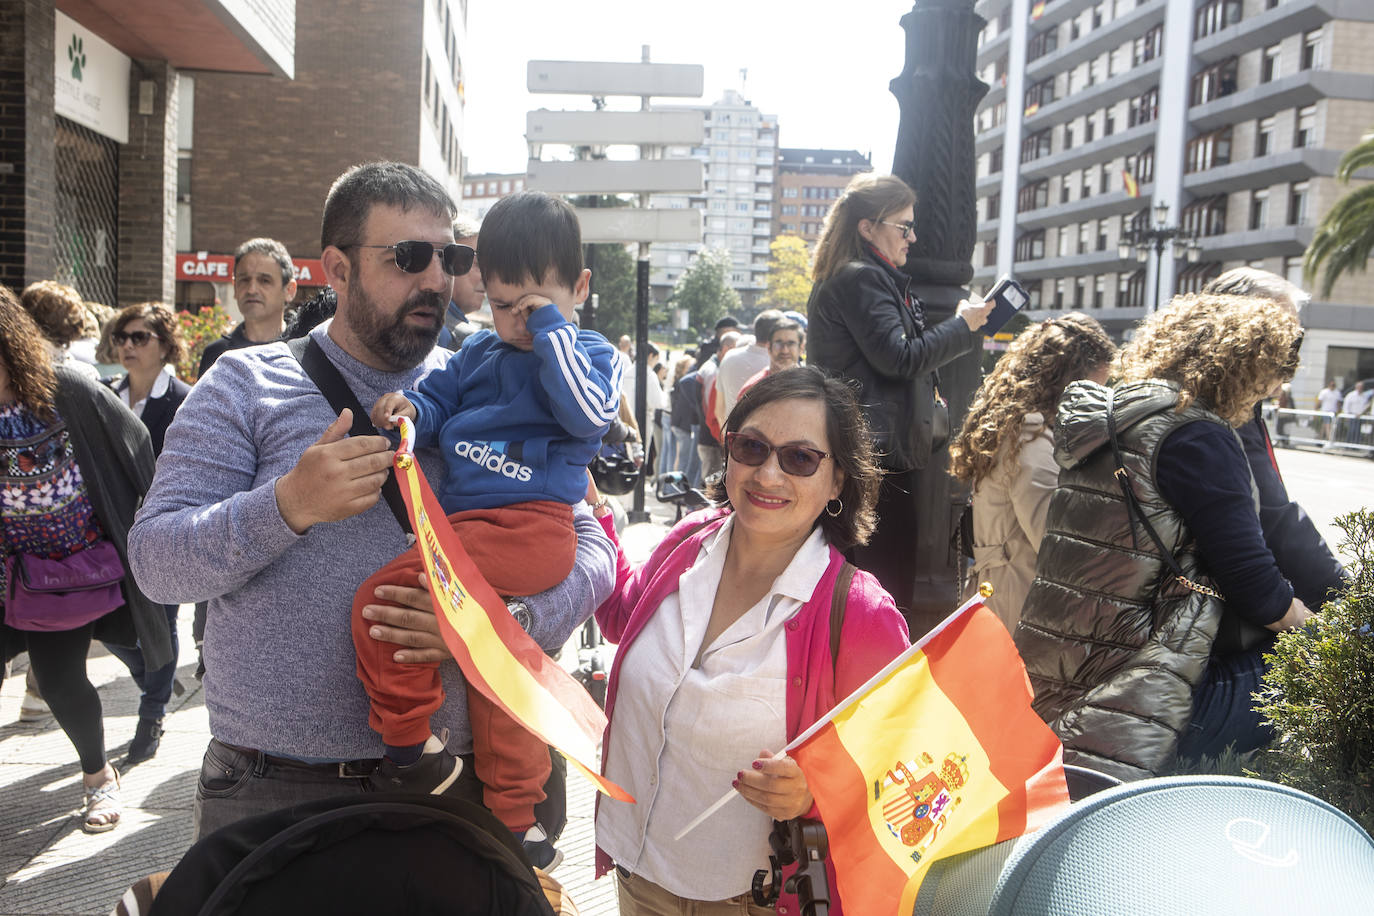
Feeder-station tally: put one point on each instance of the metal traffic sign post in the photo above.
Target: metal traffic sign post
(651, 131)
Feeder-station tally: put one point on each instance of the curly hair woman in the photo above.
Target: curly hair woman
(1005, 451)
(74, 465)
(1155, 595)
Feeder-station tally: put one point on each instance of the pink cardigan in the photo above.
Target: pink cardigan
(874, 633)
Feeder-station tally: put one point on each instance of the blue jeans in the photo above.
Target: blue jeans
(155, 685)
(1223, 712)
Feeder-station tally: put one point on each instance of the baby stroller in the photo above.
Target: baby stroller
(358, 854)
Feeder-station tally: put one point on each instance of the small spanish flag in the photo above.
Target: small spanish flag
(495, 654)
(1038, 10)
(1032, 108)
(1129, 183)
(938, 754)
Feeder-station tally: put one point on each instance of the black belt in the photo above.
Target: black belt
(343, 769)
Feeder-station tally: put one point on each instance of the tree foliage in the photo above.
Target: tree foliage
(1344, 241)
(613, 281)
(704, 289)
(789, 274)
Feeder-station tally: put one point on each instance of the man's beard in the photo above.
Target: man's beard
(394, 341)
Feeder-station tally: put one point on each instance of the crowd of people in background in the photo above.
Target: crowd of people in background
(1126, 505)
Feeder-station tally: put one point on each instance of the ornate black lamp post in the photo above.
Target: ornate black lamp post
(1159, 238)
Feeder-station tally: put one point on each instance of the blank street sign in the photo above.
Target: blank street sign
(606, 78)
(611, 176)
(603, 128)
(630, 224)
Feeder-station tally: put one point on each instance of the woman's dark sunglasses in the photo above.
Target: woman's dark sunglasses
(414, 257)
(796, 460)
(137, 338)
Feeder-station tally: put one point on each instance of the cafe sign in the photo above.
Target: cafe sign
(91, 80)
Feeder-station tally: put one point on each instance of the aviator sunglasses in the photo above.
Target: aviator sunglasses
(795, 460)
(413, 257)
(137, 338)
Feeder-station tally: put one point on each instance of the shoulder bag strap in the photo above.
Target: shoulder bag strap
(328, 379)
(1137, 515)
(838, 599)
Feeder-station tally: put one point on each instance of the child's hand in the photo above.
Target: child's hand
(526, 305)
(392, 404)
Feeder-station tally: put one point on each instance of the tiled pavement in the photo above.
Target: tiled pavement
(48, 866)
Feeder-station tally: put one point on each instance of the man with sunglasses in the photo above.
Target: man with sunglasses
(280, 523)
(264, 284)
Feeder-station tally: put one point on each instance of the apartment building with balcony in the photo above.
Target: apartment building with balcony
(740, 155)
(1233, 113)
(809, 182)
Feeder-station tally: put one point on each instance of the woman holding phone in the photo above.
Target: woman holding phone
(866, 326)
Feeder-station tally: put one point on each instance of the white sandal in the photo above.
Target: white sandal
(102, 802)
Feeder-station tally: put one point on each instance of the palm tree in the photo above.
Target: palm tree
(1345, 239)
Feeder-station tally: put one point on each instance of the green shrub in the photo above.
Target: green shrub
(1319, 691)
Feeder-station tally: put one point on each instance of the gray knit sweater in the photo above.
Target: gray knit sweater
(280, 666)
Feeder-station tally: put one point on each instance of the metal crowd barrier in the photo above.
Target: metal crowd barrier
(1320, 429)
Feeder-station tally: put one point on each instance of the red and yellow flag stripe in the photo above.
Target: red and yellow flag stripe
(495, 654)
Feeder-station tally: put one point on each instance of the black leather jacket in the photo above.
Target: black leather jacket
(861, 328)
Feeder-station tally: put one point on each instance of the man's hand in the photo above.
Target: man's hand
(776, 787)
(413, 625)
(391, 404)
(974, 310)
(1297, 615)
(338, 477)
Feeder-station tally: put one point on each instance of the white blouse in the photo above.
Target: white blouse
(160, 385)
(692, 729)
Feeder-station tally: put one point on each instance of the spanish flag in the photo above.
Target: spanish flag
(939, 753)
(1038, 10)
(1129, 183)
(495, 654)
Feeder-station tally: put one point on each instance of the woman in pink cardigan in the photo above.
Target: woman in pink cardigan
(725, 649)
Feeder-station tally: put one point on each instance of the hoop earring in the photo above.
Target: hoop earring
(839, 507)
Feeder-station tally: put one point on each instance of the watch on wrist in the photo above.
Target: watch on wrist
(521, 612)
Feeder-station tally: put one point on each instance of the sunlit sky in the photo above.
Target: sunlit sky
(821, 66)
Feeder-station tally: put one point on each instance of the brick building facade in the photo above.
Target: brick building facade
(87, 175)
(264, 150)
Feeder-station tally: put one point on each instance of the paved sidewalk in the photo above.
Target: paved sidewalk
(48, 866)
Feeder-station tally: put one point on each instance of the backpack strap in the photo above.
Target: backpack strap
(330, 381)
(839, 598)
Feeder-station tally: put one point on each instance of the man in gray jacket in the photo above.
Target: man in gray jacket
(278, 523)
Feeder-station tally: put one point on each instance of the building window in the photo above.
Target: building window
(1079, 289)
(1108, 124)
(1312, 50)
(1099, 291)
(1264, 137)
(789, 210)
(1087, 183)
(1306, 133)
(1205, 217)
(1033, 289)
(995, 161)
(1142, 166)
(1089, 130)
(1292, 270)
(789, 192)
(1259, 208)
(1033, 196)
(989, 252)
(1101, 237)
(1084, 231)
(1269, 64)
(1144, 109)
(1130, 290)
(1031, 246)
(1036, 146)
(1298, 194)
(994, 205)
(1209, 150)
(1215, 16)
(1039, 95)
(1215, 82)
(1042, 43)
(1068, 136)
(1148, 46)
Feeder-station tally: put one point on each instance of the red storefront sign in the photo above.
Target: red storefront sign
(219, 268)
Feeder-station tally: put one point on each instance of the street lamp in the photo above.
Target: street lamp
(1181, 243)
